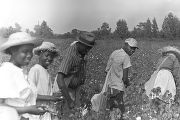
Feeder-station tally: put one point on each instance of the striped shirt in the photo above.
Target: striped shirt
(72, 65)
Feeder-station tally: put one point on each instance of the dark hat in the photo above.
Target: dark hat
(87, 38)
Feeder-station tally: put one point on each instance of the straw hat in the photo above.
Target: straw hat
(19, 38)
(170, 49)
(87, 38)
(46, 46)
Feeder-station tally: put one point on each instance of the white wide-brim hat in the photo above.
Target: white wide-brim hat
(46, 46)
(132, 42)
(20, 38)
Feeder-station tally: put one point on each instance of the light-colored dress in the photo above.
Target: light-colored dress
(8, 113)
(164, 78)
(14, 87)
(39, 80)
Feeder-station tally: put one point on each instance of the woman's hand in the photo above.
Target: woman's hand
(36, 110)
(71, 103)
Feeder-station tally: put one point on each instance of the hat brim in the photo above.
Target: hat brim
(36, 42)
(134, 47)
(38, 50)
(85, 43)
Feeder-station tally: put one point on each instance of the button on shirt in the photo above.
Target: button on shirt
(72, 65)
(118, 61)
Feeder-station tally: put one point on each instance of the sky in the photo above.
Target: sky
(64, 15)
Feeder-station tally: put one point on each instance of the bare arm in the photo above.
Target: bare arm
(63, 87)
(47, 98)
(29, 109)
(125, 76)
(22, 110)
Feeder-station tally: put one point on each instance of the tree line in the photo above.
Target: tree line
(148, 29)
(40, 30)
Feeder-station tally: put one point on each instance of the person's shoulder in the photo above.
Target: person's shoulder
(172, 56)
(4, 65)
(70, 51)
(36, 67)
(10, 66)
(120, 53)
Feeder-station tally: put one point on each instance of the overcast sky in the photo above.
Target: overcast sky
(64, 15)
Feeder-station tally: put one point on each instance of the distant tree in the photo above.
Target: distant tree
(46, 30)
(134, 33)
(141, 29)
(67, 35)
(74, 33)
(155, 29)
(169, 26)
(43, 30)
(144, 29)
(178, 29)
(17, 27)
(148, 30)
(105, 30)
(27, 30)
(37, 29)
(121, 29)
(6, 32)
(97, 34)
(3, 32)
(10, 30)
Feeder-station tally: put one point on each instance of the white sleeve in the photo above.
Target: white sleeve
(33, 78)
(126, 62)
(7, 88)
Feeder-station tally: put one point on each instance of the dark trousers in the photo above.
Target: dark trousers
(116, 100)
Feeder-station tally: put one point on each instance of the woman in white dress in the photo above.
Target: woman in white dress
(15, 92)
(165, 79)
(40, 79)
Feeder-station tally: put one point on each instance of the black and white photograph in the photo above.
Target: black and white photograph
(89, 60)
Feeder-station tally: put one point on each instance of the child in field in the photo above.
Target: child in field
(15, 93)
(39, 77)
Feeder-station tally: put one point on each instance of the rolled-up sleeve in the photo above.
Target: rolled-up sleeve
(126, 62)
